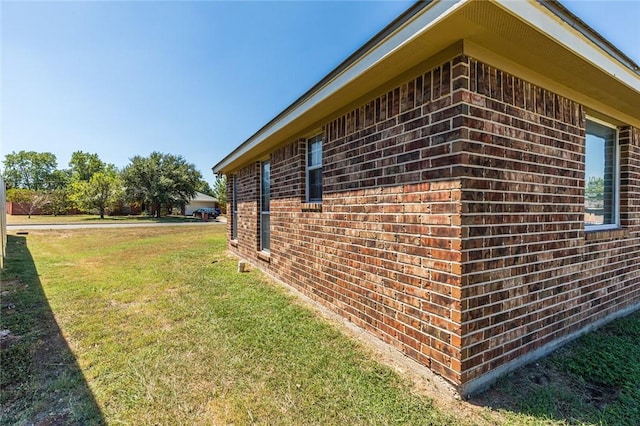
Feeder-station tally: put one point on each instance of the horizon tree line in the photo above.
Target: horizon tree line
(159, 181)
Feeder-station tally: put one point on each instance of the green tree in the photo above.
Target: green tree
(59, 179)
(29, 170)
(220, 191)
(84, 165)
(59, 201)
(160, 180)
(32, 200)
(594, 190)
(19, 195)
(204, 187)
(101, 190)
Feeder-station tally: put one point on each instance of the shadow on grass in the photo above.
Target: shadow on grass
(40, 379)
(593, 380)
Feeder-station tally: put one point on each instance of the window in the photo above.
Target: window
(265, 198)
(314, 169)
(234, 208)
(601, 195)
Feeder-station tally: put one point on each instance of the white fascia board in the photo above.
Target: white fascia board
(427, 18)
(565, 35)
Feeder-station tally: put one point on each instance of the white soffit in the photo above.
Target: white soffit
(564, 34)
(530, 12)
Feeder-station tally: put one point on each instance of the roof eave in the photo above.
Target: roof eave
(579, 25)
(376, 42)
(411, 29)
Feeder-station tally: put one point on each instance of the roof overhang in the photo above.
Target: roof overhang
(203, 197)
(541, 43)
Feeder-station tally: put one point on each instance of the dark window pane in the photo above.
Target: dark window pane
(314, 168)
(265, 189)
(234, 226)
(315, 184)
(234, 207)
(265, 227)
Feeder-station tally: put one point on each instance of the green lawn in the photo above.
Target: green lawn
(155, 326)
(593, 380)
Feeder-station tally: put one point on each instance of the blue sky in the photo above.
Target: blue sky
(126, 78)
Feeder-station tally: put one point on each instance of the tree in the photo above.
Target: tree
(220, 191)
(59, 201)
(98, 192)
(84, 165)
(94, 184)
(204, 187)
(594, 191)
(19, 195)
(59, 179)
(29, 170)
(30, 199)
(38, 200)
(160, 180)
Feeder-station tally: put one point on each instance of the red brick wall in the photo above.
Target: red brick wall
(15, 208)
(531, 274)
(452, 220)
(630, 178)
(386, 258)
(383, 249)
(248, 205)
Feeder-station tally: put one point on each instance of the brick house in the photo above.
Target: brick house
(466, 186)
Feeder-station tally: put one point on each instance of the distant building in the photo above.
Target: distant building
(200, 201)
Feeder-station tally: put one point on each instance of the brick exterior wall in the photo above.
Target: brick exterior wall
(248, 215)
(22, 209)
(531, 274)
(452, 220)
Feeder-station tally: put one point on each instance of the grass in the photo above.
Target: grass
(39, 376)
(155, 326)
(593, 380)
(164, 331)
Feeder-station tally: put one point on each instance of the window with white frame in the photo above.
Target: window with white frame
(314, 169)
(265, 200)
(234, 208)
(601, 194)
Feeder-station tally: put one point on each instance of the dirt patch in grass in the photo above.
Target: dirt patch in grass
(601, 395)
(541, 390)
(519, 391)
(8, 339)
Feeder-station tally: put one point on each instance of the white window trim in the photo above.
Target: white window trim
(308, 168)
(616, 179)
